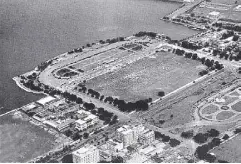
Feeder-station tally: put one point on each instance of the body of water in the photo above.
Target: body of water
(32, 31)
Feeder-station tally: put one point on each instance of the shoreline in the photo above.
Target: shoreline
(25, 88)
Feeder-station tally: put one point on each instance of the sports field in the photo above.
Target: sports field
(21, 140)
(163, 71)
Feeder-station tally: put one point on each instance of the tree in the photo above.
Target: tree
(235, 38)
(79, 100)
(222, 161)
(213, 133)
(237, 130)
(89, 106)
(102, 97)
(187, 134)
(194, 56)
(165, 138)
(117, 159)
(161, 93)
(210, 158)
(101, 110)
(67, 158)
(225, 137)
(86, 135)
(200, 138)
(174, 142)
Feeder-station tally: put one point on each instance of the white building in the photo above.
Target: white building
(87, 154)
(80, 124)
(91, 120)
(114, 145)
(189, 1)
(214, 14)
(87, 120)
(126, 135)
(46, 100)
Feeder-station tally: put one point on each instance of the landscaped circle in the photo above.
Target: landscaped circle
(237, 106)
(224, 115)
(210, 109)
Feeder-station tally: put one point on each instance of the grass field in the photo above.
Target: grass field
(182, 105)
(221, 128)
(210, 109)
(224, 115)
(237, 106)
(234, 93)
(22, 141)
(144, 78)
(229, 151)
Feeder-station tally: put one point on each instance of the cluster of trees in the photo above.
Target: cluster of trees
(188, 45)
(234, 27)
(239, 70)
(227, 34)
(237, 131)
(145, 33)
(165, 18)
(44, 65)
(187, 135)
(202, 151)
(161, 93)
(67, 158)
(76, 50)
(173, 142)
(203, 137)
(93, 93)
(209, 63)
(140, 105)
(224, 54)
(107, 117)
(32, 85)
(110, 41)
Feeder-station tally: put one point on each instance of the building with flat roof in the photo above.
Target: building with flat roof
(59, 125)
(147, 137)
(85, 120)
(80, 124)
(114, 145)
(91, 120)
(87, 154)
(214, 14)
(126, 135)
(46, 100)
(130, 134)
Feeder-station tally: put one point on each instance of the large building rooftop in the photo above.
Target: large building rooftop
(84, 150)
(45, 100)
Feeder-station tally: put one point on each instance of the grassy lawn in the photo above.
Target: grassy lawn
(210, 109)
(21, 140)
(229, 151)
(237, 106)
(144, 78)
(224, 115)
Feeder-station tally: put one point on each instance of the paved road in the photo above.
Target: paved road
(185, 8)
